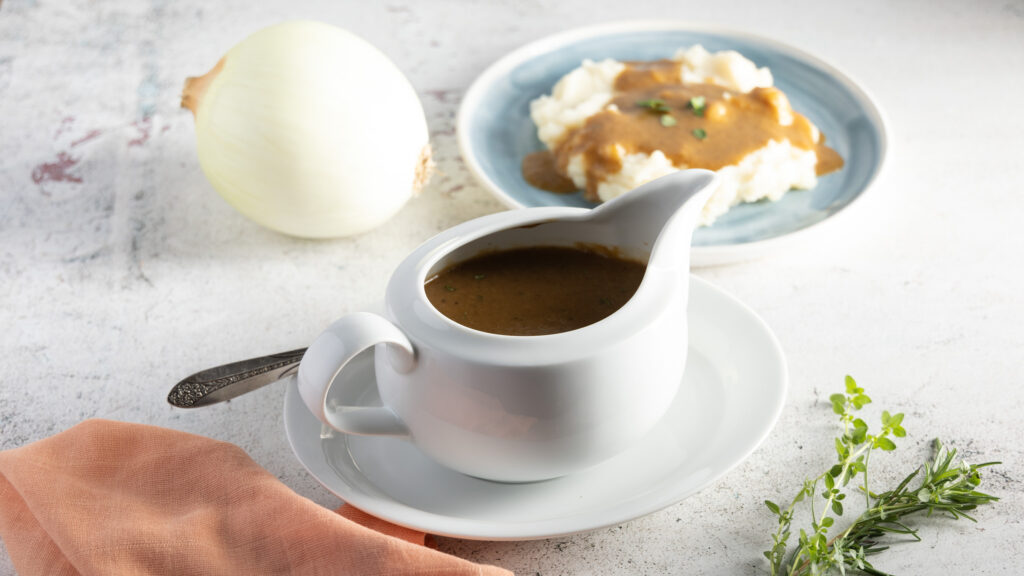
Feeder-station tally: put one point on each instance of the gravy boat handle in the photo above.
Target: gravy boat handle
(324, 366)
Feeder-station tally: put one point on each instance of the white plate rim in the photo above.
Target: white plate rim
(700, 255)
(442, 525)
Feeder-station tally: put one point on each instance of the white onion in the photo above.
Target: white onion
(309, 130)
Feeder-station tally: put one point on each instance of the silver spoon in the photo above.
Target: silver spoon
(230, 380)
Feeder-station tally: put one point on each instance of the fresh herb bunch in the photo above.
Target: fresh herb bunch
(945, 487)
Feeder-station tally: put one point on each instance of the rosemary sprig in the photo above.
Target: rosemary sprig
(946, 487)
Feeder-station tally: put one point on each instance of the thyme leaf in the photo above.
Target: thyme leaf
(697, 105)
(654, 105)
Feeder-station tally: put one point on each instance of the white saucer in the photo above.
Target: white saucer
(731, 396)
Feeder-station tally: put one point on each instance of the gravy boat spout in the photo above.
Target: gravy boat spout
(652, 224)
(661, 214)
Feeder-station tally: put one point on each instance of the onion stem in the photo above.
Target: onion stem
(196, 86)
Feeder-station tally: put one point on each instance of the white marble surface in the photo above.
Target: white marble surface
(121, 270)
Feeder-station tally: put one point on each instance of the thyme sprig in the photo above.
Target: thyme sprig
(945, 487)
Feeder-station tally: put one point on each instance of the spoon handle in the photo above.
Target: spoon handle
(230, 380)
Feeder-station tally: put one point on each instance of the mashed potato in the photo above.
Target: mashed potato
(766, 173)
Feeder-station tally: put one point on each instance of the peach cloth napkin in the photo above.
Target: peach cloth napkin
(114, 498)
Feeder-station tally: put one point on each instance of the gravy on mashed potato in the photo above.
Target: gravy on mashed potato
(651, 110)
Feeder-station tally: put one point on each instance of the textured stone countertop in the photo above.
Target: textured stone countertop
(121, 270)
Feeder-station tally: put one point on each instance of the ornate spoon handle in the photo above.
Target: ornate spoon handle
(230, 380)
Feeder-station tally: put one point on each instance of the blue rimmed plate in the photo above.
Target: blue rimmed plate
(495, 131)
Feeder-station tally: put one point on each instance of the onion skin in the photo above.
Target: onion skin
(309, 130)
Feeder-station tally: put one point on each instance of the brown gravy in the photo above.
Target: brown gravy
(656, 111)
(540, 171)
(533, 291)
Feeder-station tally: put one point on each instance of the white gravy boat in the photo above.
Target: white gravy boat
(524, 408)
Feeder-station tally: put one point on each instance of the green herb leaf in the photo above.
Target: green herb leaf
(655, 105)
(699, 133)
(697, 105)
(449, 288)
(668, 120)
(885, 444)
(841, 451)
